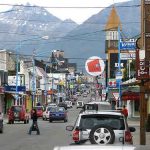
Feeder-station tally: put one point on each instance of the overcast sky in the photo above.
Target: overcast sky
(76, 14)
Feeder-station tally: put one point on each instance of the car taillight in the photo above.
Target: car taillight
(128, 137)
(76, 135)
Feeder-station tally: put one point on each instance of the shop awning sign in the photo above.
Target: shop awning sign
(13, 88)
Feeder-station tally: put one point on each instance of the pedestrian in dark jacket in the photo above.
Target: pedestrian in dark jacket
(34, 126)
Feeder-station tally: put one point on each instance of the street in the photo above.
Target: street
(15, 136)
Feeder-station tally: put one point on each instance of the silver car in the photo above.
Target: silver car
(105, 127)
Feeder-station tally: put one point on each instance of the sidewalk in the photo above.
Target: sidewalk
(133, 122)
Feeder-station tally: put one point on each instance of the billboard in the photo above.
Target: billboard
(94, 66)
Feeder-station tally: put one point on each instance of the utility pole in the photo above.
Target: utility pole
(143, 107)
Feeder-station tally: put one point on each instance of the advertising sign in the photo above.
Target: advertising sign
(94, 66)
(127, 44)
(142, 67)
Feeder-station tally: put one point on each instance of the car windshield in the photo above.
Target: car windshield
(89, 121)
(16, 108)
(57, 109)
(39, 108)
(80, 103)
(49, 108)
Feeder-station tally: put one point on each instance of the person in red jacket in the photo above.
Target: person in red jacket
(125, 111)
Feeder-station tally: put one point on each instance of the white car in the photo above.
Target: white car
(69, 104)
(46, 112)
(94, 147)
(101, 127)
(80, 104)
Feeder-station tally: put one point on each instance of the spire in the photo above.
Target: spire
(113, 20)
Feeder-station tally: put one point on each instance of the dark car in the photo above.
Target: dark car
(62, 104)
(58, 113)
(1, 122)
(18, 113)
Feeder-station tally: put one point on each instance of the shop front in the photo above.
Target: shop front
(132, 101)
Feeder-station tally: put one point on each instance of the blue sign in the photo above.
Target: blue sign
(128, 44)
(13, 88)
(45, 92)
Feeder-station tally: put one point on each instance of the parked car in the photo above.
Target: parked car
(17, 113)
(58, 113)
(80, 104)
(1, 122)
(46, 112)
(39, 110)
(101, 127)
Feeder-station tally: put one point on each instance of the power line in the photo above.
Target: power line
(70, 7)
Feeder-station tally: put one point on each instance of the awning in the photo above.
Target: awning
(129, 95)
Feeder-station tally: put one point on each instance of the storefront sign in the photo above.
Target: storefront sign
(13, 89)
(142, 68)
(127, 44)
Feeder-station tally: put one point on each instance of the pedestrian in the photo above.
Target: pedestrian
(34, 126)
(125, 111)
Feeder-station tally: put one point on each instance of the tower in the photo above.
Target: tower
(111, 45)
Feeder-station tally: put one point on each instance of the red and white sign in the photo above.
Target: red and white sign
(116, 95)
(94, 66)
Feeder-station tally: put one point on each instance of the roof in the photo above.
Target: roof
(113, 20)
(107, 112)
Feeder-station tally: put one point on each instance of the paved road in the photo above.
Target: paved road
(15, 136)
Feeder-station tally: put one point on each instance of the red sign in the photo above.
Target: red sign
(142, 67)
(94, 66)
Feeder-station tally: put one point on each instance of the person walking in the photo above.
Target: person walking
(125, 111)
(34, 126)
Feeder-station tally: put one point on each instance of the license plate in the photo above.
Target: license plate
(57, 114)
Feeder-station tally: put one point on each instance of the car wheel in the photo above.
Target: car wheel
(50, 120)
(1, 131)
(25, 121)
(102, 135)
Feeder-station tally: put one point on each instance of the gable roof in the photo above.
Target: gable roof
(113, 20)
